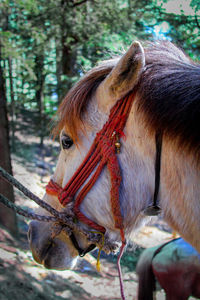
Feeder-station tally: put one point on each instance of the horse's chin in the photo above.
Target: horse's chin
(54, 258)
(51, 262)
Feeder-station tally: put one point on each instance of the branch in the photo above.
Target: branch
(79, 3)
(197, 21)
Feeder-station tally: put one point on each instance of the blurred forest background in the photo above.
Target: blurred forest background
(47, 45)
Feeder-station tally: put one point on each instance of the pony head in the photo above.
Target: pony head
(147, 77)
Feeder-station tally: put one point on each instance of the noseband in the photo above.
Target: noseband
(103, 152)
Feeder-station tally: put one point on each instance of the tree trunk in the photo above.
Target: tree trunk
(68, 59)
(58, 73)
(7, 216)
(39, 72)
(69, 53)
(12, 104)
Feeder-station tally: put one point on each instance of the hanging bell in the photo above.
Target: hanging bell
(117, 147)
(117, 143)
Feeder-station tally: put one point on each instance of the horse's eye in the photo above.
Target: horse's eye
(66, 141)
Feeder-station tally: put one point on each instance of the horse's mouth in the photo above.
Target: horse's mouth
(52, 253)
(53, 257)
(46, 256)
(43, 255)
(42, 249)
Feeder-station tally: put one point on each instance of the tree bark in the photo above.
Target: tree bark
(7, 216)
(69, 54)
(39, 72)
(12, 103)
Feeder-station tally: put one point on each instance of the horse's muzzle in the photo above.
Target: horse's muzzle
(52, 253)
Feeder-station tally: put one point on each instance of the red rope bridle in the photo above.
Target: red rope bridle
(102, 152)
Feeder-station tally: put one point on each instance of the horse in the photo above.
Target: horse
(129, 136)
(175, 265)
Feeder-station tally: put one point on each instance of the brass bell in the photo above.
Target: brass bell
(118, 147)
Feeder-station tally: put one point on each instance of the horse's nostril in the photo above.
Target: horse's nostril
(32, 231)
(39, 246)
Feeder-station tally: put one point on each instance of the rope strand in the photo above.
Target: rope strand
(26, 213)
(30, 195)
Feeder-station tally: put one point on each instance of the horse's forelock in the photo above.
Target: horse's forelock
(74, 105)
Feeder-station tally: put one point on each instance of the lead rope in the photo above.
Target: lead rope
(102, 152)
(119, 265)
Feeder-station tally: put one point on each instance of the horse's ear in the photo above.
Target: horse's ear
(123, 78)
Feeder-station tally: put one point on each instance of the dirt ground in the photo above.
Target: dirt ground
(23, 279)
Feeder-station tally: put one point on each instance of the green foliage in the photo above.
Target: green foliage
(196, 5)
(52, 43)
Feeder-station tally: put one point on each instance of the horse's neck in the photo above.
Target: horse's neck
(179, 182)
(180, 192)
(137, 163)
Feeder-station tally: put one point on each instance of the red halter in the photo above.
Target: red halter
(102, 152)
